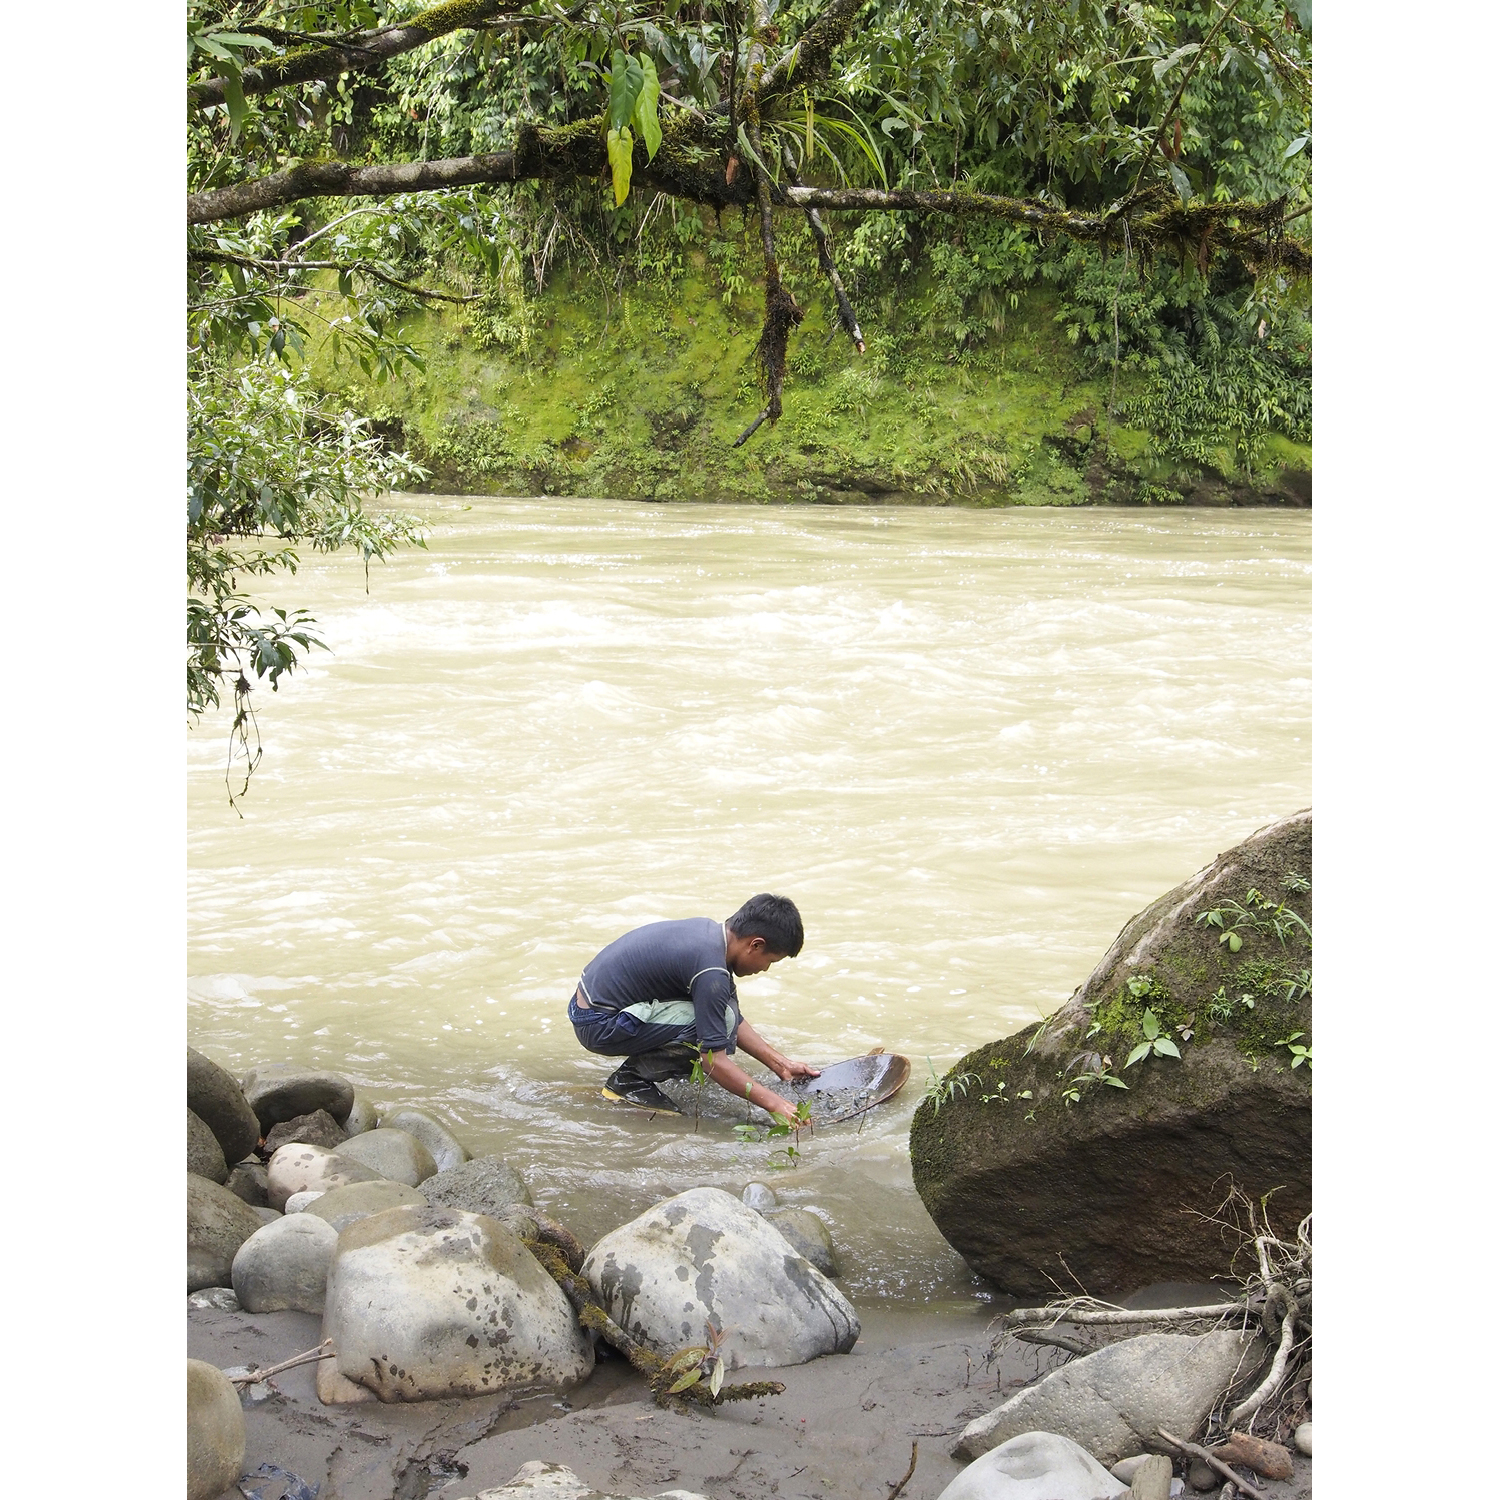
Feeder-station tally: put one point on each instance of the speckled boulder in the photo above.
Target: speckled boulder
(343, 1206)
(704, 1257)
(217, 1100)
(447, 1151)
(218, 1223)
(215, 1432)
(807, 1234)
(282, 1091)
(205, 1157)
(425, 1303)
(311, 1169)
(394, 1154)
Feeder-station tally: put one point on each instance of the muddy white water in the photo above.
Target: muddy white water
(969, 744)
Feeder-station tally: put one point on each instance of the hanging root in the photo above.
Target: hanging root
(825, 258)
(660, 1373)
(1276, 1295)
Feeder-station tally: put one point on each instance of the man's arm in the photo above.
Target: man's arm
(733, 1079)
(751, 1041)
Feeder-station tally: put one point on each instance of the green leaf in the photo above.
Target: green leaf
(625, 81)
(1165, 1047)
(234, 101)
(1235, 941)
(1180, 181)
(682, 1382)
(1137, 1053)
(717, 1378)
(1294, 148)
(620, 144)
(645, 115)
(1116, 1083)
(1150, 1026)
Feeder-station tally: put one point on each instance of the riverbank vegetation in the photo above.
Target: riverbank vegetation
(748, 250)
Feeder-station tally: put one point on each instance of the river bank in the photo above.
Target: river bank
(638, 390)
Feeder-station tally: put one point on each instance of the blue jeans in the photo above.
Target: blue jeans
(658, 1048)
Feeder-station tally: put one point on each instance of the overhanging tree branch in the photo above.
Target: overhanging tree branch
(358, 53)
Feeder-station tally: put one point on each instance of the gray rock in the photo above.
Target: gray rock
(393, 1154)
(301, 1169)
(300, 1201)
(343, 1206)
(205, 1158)
(1112, 1401)
(425, 1303)
(265, 1214)
(317, 1129)
(250, 1395)
(1203, 1477)
(485, 1185)
(1302, 1439)
(1153, 1478)
(758, 1196)
(362, 1117)
(543, 1481)
(807, 1234)
(215, 1432)
(1145, 1161)
(285, 1265)
(247, 1180)
(218, 1223)
(282, 1091)
(219, 1298)
(1035, 1466)
(1124, 1471)
(217, 1100)
(704, 1257)
(447, 1151)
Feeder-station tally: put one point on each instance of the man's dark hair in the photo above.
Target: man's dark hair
(772, 918)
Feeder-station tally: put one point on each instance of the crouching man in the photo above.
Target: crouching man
(664, 995)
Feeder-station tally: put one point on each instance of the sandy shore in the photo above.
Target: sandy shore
(843, 1428)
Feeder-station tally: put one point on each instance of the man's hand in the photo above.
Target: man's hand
(777, 1106)
(789, 1070)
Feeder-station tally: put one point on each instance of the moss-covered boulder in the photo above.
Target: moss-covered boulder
(1093, 1145)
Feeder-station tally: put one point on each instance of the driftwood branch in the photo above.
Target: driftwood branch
(825, 259)
(1263, 1392)
(1055, 1340)
(324, 1350)
(363, 267)
(905, 1479)
(1115, 1317)
(1217, 1464)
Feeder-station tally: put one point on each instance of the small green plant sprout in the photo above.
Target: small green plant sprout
(1157, 1042)
(1221, 1007)
(1259, 913)
(999, 1093)
(941, 1091)
(1035, 1037)
(1292, 881)
(1096, 1069)
(699, 1360)
(1293, 1044)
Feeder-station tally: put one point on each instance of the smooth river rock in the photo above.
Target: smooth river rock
(285, 1265)
(205, 1157)
(317, 1129)
(217, 1100)
(248, 1180)
(1036, 1466)
(486, 1185)
(218, 1223)
(311, 1169)
(447, 1150)
(282, 1091)
(539, 1480)
(219, 1298)
(759, 1197)
(807, 1234)
(704, 1257)
(343, 1206)
(265, 1214)
(393, 1154)
(1120, 1184)
(1302, 1439)
(362, 1117)
(1112, 1401)
(425, 1303)
(215, 1432)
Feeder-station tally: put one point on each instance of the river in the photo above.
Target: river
(970, 744)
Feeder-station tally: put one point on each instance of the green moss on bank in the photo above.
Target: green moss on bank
(640, 395)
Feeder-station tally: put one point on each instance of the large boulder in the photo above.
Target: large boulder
(704, 1257)
(205, 1157)
(250, 1181)
(217, 1100)
(1113, 1400)
(215, 1432)
(425, 1303)
(807, 1234)
(317, 1129)
(1036, 1466)
(447, 1150)
(311, 1169)
(392, 1153)
(218, 1223)
(285, 1265)
(282, 1091)
(486, 1185)
(343, 1206)
(1035, 1159)
(362, 1117)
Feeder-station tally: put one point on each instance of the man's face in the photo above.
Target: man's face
(750, 956)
